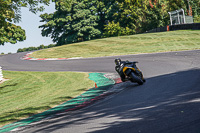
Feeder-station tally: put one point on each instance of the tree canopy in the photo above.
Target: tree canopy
(10, 13)
(72, 22)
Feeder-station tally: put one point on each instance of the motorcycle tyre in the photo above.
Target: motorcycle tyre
(136, 78)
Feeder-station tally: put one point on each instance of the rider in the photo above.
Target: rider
(118, 62)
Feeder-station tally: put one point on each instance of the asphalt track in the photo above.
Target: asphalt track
(169, 101)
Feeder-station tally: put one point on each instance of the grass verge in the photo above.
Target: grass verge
(28, 93)
(124, 45)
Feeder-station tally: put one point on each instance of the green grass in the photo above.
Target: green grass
(28, 93)
(124, 45)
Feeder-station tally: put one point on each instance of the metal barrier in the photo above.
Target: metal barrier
(159, 29)
(1, 74)
(192, 26)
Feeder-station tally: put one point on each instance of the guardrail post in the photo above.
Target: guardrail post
(1, 74)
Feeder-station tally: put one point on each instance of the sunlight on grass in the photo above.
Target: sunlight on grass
(28, 93)
(124, 45)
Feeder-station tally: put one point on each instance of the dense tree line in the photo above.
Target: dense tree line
(35, 48)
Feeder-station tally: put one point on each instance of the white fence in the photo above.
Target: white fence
(1, 74)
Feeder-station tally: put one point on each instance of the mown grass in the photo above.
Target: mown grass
(28, 93)
(124, 45)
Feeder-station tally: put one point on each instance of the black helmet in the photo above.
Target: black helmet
(118, 61)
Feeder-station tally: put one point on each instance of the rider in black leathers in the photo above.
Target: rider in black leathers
(118, 62)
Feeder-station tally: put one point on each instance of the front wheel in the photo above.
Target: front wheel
(136, 78)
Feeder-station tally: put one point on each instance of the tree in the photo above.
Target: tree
(10, 14)
(177, 4)
(156, 15)
(51, 45)
(20, 50)
(136, 16)
(41, 47)
(195, 7)
(72, 23)
(114, 29)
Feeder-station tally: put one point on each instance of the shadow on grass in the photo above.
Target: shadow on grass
(166, 103)
(3, 89)
(60, 100)
(82, 89)
(15, 84)
(19, 114)
(71, 104)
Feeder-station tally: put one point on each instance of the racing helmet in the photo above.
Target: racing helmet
(118, 61)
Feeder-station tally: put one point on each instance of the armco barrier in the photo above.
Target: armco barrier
(160, 29)
(1, 74)
(192, 26)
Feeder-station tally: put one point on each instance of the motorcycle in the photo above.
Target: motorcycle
(129, 71)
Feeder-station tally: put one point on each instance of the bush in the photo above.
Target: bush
(114, 29)
(35, 48)
(197, 19)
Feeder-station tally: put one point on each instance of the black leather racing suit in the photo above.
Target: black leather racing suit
(121, 74)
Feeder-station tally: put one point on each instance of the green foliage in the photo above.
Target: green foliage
(144, 15)
(195, 4)
(185, 4)
(155, 15)
(35, 48)
(10, 14)
(197, 19)
(135, 17)
(114, 29)
(176, 4)
(11, 33)
(71, 23)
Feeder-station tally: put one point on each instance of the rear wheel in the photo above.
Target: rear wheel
(136, 78)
